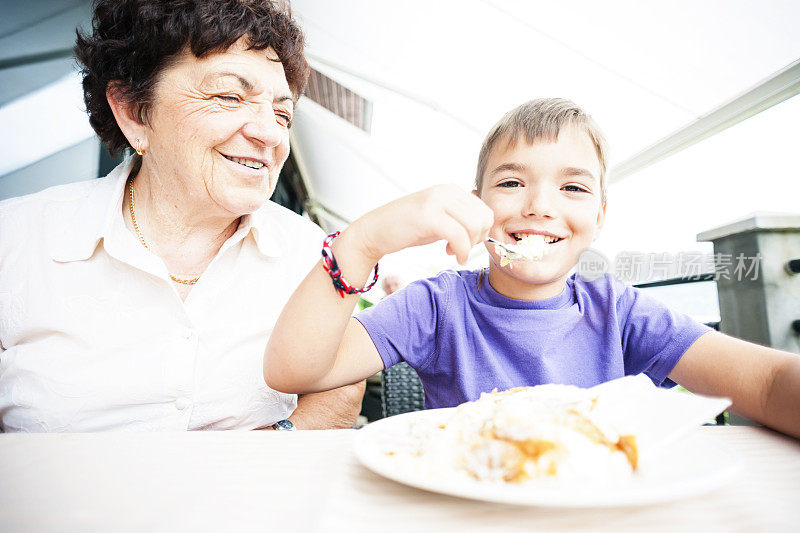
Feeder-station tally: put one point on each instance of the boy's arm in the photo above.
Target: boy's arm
(763, 383)
(315, 345)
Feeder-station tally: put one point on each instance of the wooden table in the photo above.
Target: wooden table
(311, 481)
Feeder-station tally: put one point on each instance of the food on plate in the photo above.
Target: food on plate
(554, 432)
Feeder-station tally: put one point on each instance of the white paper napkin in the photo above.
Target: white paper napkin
(657, 416)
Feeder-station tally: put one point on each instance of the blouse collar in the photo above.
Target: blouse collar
(87, 222)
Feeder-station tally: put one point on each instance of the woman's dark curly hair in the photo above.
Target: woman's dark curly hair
(133, 41)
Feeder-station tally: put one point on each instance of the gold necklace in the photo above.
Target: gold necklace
(190, 281)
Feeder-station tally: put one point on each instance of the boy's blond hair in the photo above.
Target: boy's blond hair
(543, 119)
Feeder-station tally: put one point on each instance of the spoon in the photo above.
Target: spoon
(511, 249)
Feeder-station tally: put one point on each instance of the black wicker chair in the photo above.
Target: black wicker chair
(402, 390)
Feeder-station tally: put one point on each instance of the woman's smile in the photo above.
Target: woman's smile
(250, 166)
(252, 163)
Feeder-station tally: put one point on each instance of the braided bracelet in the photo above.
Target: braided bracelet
(332, 268)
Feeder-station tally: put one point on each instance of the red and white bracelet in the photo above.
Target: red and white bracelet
(332, 268)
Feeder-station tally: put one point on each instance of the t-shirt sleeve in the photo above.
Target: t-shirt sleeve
(404, 325)
(654, 337)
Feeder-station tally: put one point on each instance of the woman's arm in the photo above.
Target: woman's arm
(334, 409)
(315, 345)
(763, 383)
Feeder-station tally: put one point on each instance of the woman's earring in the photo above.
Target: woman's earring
(139, 149)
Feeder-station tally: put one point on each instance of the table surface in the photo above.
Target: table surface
(311, 481)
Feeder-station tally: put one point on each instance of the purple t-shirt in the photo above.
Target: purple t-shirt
(463, 341)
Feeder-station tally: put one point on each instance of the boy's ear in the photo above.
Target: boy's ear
(601, 219)
(475, 192)
(126, 115)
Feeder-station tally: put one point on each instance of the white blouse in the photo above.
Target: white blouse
(94, 337)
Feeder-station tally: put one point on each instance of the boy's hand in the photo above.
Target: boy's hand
(316, 345)
(442, 212)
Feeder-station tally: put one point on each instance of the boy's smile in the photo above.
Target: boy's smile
(550, 188)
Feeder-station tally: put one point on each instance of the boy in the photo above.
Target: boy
(541, 171)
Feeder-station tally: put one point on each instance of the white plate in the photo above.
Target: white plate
(690, 467)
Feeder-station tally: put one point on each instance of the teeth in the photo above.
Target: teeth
(547, 238)
(246, 162)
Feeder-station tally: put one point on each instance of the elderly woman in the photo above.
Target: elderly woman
(144, 300)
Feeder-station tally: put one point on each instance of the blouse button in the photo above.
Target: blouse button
(182, 403)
